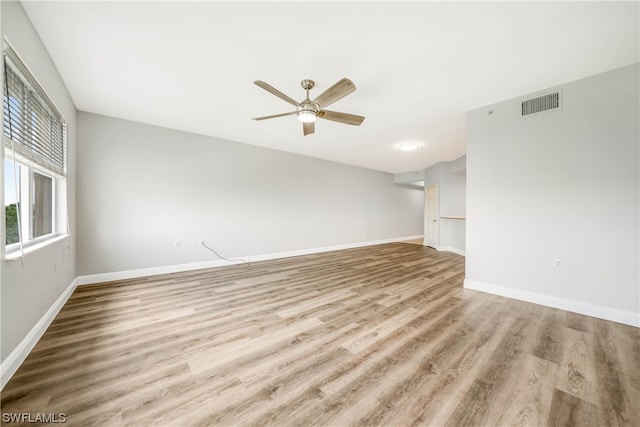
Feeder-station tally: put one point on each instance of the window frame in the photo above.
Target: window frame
(32, 203)
(26, 198)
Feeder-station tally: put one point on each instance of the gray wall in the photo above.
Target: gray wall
(29, 290)
(560, 184)
(141, 188)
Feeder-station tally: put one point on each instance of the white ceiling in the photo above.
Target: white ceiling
(418, 66)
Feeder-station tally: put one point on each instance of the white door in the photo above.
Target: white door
(431, 216)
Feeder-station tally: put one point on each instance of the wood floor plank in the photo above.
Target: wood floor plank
(549, 338)
(375, 336)
(569, 410)
(474, 407)
(576, 370)
(526, 400)
(616, 403)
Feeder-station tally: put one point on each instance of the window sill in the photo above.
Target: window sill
(15, 254)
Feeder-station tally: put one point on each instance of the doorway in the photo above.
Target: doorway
(431, 216)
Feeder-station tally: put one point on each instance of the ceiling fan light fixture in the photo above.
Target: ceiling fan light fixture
(309, 110)
(307, 116)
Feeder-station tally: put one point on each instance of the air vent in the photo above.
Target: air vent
(541, 103)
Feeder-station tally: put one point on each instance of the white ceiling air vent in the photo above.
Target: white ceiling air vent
(541, 103)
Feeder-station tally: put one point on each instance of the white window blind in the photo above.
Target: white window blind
(31, 121)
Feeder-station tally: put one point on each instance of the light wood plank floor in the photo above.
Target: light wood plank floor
(382, 335)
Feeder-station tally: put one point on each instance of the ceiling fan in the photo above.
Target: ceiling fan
(308, 110)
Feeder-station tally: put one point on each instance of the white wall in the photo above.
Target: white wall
(560, 184)
(29, 290)
(142, 187)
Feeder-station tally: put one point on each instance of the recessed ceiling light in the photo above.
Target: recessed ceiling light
(408, 146)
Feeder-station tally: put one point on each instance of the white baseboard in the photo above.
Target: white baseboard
(13, 361)
(451, 249)
(151, 271)
(142, 272)
(599, 311)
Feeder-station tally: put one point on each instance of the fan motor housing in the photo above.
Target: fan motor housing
(307, 105)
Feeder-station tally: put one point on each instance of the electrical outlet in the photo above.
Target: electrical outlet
(177, 243)
(557, 263)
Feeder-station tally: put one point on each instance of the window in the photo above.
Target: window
(42, 205)
(35, 154)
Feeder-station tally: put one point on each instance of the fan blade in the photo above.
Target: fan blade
(350, 119)
(275, 115)
(276, 92)
(308, 128)
(338, 91)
